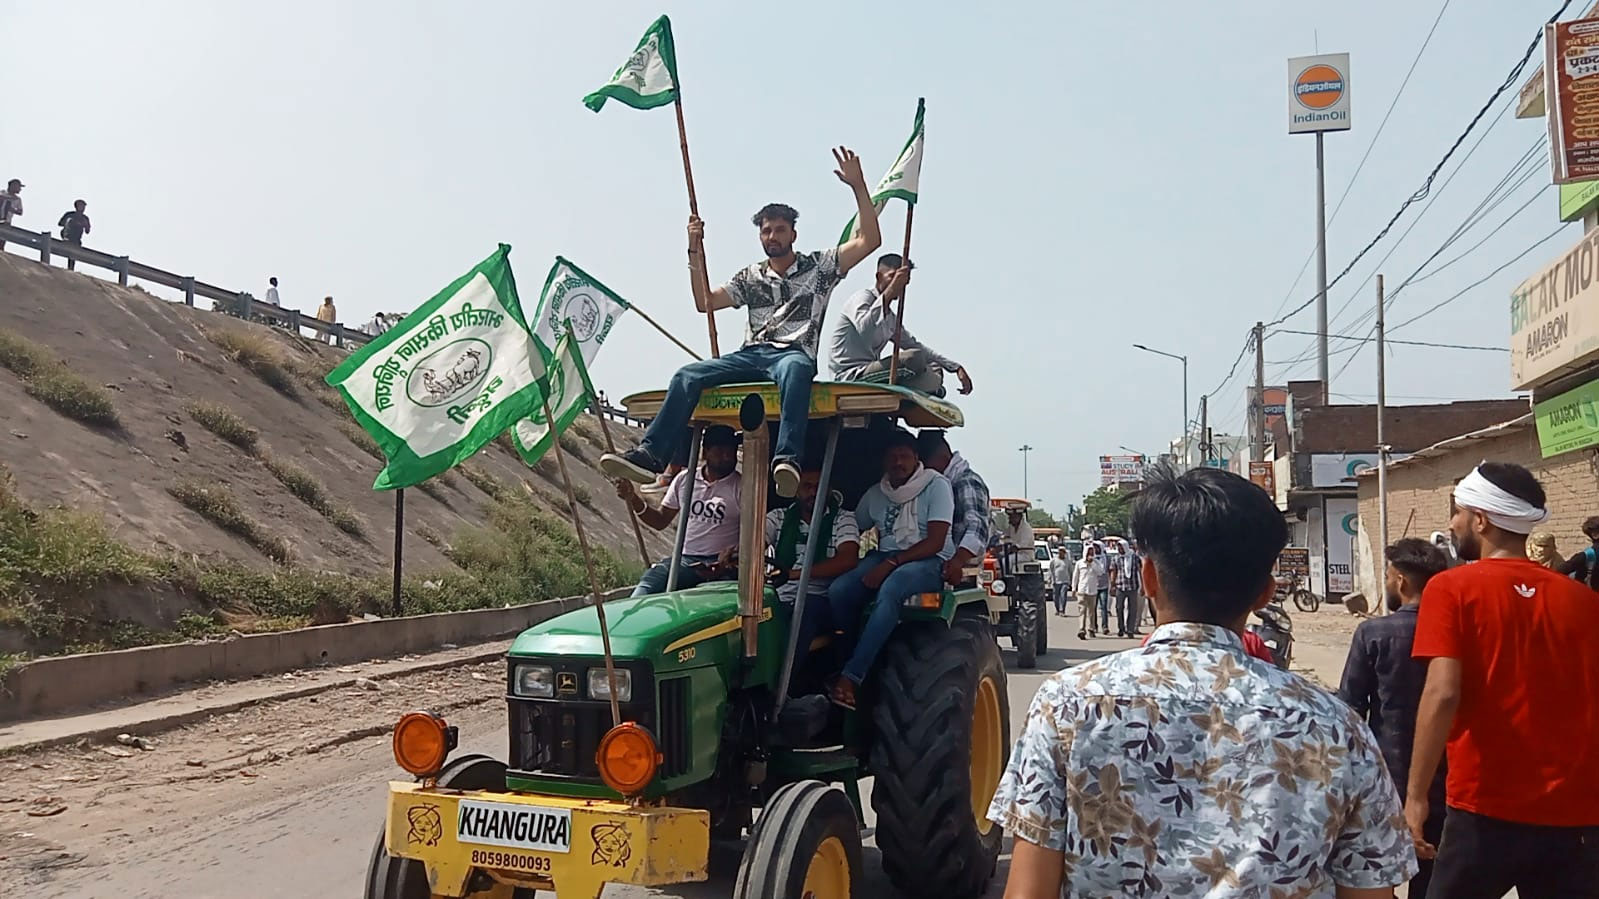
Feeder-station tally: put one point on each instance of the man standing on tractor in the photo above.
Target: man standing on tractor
(911, 507)
(866, 327)
(970, 528)
(712, 535)
(786, 295)
(838, 551)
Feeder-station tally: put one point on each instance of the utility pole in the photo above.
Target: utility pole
(1321, 271)
(1257, 409)
(1024, 450)
(1204, 431)
(1382, 445)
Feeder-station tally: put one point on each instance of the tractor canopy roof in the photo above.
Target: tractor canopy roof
(1009, 505)
(829, 399)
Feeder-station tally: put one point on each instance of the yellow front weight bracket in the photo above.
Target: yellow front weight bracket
(573, 847)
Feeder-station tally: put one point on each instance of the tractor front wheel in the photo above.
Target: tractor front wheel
(806, 844)
(942, 738)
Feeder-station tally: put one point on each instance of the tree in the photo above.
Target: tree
(1109, 508)
(1039, 517)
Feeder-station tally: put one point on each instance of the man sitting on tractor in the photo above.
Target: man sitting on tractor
(787, 296)
(866, 327)
(971, 524)
(911, 507)
(838, 551)
(712, 538)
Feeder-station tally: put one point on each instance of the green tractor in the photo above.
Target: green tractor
(711, 745)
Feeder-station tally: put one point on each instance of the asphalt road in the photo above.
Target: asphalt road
(303, 825)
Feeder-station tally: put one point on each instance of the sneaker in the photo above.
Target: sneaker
(655, 490)
(786, 476)
(635, 465)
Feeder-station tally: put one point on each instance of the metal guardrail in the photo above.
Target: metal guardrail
(237, 303)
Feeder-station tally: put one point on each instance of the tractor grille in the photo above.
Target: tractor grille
(674, 731)
(558, 738)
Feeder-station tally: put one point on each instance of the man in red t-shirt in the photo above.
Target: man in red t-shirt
(1513, 687)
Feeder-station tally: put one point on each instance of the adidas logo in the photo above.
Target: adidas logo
(1526, 591)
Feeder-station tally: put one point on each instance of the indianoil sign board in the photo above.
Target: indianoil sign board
(1554, 325)
(1318, 93)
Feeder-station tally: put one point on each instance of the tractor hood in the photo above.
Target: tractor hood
(641, 627)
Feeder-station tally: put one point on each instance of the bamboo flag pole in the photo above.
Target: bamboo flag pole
(588, 563)
(667, 334)
(899, 317)
(696, 248)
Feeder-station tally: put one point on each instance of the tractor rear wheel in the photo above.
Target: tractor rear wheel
(388, 877)
(942, 739)
(1041, 608)
(806, 844)
(1023, 613)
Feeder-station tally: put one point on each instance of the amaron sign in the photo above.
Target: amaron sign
(1318, 93)
(1569, 421)
(1553, 325)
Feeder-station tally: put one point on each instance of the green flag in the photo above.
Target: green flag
(903, 180)
(649, 77)
(572, 295)
(567, 386)
(452, 376)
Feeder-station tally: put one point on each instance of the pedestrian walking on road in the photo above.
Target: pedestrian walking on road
(1542, 549)
(1128, 606)
(326, 313)
(1087, 582)
(1280, 786)
(1382, 682)
(10, 204)
(1060, 569)
(74, 224)
(1513, 689)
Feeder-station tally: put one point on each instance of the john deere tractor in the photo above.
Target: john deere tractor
(696, 724)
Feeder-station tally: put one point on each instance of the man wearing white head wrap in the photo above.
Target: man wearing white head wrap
(1513, 689)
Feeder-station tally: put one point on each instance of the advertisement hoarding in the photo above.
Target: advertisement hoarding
(1569, 421)
(1343, 526)
(1554, 326)
(1318, 93)
(1120, 470)
(1339, 469)
(1262, 474)
(1571, 92)
(1293, 561)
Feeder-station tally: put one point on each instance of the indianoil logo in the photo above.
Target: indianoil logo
(1319, 87)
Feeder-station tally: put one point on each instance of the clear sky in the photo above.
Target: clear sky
(1096, 174)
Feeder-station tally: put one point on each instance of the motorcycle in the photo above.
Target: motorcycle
(1276, 630)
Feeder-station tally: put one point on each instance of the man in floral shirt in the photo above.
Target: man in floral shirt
(1185, 768)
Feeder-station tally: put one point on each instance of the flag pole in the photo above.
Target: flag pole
(399, 547)
(668, 334)
(588, 561)
(696, 248)
(899, 318)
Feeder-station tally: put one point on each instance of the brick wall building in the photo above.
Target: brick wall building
(1419, 489)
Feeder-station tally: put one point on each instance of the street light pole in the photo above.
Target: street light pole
(1184, 361)
(1024, 450)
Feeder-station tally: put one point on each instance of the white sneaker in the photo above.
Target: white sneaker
(654, 491)
(786, 477)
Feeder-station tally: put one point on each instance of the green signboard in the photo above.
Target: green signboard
(1577, 198)
(1569, 421)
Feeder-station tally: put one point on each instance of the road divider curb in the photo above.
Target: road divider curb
(53, 685)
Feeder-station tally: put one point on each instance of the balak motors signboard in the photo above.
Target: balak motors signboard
(1318, 93)
(1553, 325)
(1571, 70)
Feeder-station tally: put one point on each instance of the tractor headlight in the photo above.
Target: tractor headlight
(536, 681)
(600, 684)
(998, 586)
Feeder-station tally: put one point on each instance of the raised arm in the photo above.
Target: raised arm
(868, 236)
(706, 298)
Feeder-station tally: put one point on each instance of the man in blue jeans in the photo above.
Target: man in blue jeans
(911, 507)
(786, 296)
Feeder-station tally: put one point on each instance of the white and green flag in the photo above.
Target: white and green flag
(572, 295)
(903, 179)
(452, 376)
(568, 388)
(649, 77)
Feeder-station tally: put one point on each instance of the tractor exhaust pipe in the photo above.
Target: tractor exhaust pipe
(752, 520)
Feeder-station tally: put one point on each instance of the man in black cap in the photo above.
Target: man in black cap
(712, 537)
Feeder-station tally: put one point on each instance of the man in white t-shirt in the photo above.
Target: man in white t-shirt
(712, 538)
